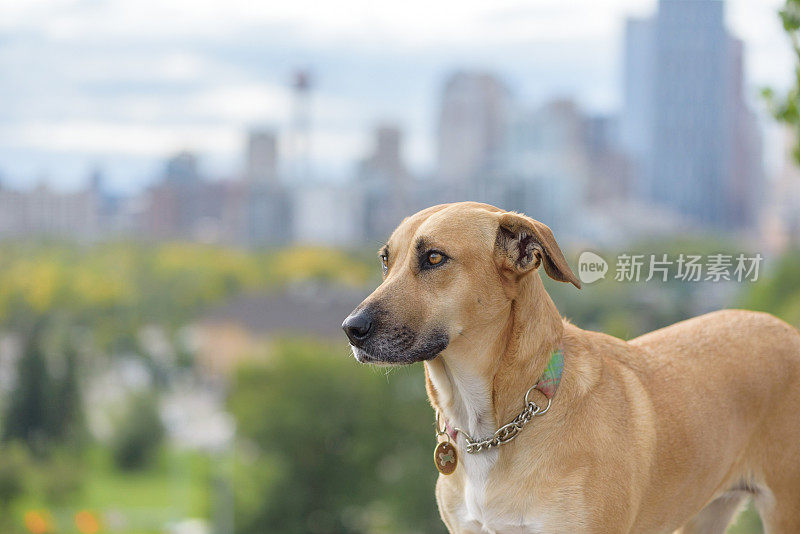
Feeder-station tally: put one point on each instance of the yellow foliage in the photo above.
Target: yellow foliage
(36, 282)
(170, 280)
(318, 263)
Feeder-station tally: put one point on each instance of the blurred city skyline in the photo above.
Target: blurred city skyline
(121, 87)
(192, 194)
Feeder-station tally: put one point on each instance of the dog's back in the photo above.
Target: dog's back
(756, 354)
(753, 360)
(754, 346)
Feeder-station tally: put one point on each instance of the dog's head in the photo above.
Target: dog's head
(448, 270)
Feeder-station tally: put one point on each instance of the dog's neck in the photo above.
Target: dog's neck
(479, 382)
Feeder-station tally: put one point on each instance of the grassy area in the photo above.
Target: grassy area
(176, 487)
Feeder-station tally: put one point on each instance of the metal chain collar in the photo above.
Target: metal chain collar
(507, 432)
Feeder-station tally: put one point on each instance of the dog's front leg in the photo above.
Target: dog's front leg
(451, 507)
(445, 505)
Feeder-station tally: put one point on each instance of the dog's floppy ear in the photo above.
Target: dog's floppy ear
(523, 244)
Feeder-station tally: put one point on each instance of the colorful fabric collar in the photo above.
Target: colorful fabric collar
(547, 384)
(551, 377)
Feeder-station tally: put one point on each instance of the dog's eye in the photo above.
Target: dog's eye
(384, 263)
(432, 259)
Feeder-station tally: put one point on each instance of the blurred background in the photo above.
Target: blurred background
(192, 194)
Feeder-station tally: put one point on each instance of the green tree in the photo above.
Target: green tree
(778, 292)
(26, 418)
(139, 434)
(65, 414)
(330, 446)
(786, 108)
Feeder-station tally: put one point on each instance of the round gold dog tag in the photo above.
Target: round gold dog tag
(445, 457)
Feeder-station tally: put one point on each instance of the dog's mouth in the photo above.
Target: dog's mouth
(395, 352)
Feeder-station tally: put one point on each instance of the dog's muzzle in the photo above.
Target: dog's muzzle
(359, 326)
(377, 340)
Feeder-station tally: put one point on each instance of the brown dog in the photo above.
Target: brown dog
(672, 429)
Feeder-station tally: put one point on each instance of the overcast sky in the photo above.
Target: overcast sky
(121, 84)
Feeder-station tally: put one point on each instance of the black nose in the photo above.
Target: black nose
(358, 327)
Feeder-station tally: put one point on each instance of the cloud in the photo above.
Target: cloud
(101, 137)
(412, 23)
(118, 79)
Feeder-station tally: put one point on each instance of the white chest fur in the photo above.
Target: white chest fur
(466, 398)
(477, 469)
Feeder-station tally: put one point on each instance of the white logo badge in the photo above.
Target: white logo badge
(591, 267)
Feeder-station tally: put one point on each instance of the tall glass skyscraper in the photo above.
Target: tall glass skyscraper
(472, 126)
(694, 142)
